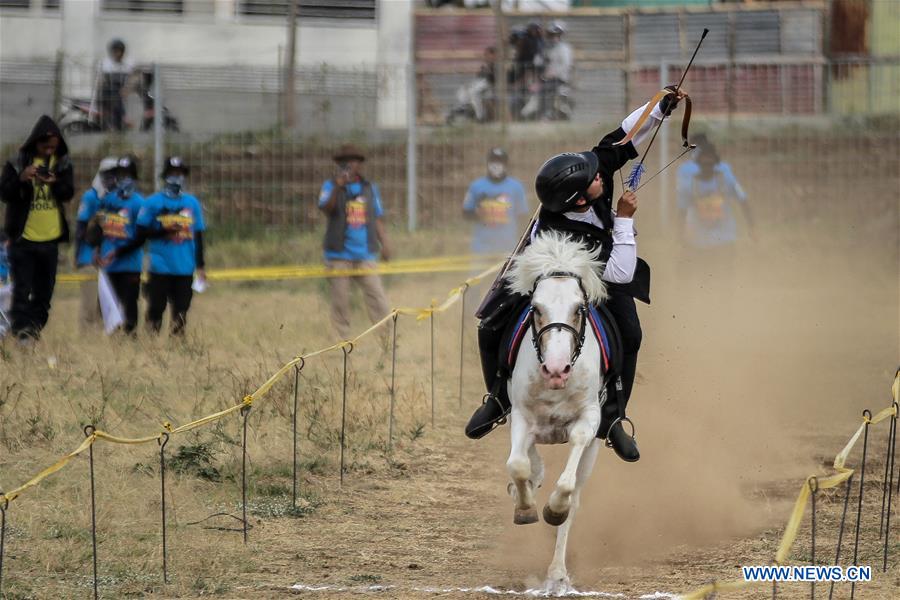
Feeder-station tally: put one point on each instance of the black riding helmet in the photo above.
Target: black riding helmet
(563, 179)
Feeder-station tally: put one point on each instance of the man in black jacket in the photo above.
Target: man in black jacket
(34, 185)
(576, 192)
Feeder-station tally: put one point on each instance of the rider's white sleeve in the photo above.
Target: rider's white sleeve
(623, 259)
(631, 120)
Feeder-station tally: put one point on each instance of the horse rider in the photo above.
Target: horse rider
(575, 191)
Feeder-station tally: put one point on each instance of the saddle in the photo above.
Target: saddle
(601, 322)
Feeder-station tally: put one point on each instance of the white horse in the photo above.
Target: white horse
(556, 384)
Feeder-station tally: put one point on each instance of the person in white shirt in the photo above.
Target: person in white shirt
(576, 191)
(558, 71)
(114, 79)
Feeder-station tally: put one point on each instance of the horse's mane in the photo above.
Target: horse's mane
(553, 252)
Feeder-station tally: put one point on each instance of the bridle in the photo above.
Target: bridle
(577, 334)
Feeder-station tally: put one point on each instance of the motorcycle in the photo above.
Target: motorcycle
(77, 116)
(475, 102)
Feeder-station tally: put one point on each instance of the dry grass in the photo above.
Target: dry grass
(432, 511)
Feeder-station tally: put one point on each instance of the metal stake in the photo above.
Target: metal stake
(431, 321)
(244, 412)
(297, 370)
(462, 337)
(88, 432)
(3, 508)
(813, 488)
(346, 352)
(162, 485)
(837, 554)
(884, 483)
(862, 481)
(393, 381)
(893, 449)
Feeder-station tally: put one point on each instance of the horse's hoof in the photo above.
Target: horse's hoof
(554, 518)
(525, 516)
(558, 587)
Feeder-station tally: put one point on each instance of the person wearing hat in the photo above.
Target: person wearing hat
(118, 212)
(104, 182)
(354, 237)
(575, 190)
(707, 190)
(173, 222)
(496, 202)
(35, 185)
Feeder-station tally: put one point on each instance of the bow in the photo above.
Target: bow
(634, 178)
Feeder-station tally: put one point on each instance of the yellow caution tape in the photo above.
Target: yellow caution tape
(441, 264)
(793, 524)
(248, 400)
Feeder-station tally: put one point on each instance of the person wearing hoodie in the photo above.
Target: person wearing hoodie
(104, 183)
(173, 222)
(35, 184)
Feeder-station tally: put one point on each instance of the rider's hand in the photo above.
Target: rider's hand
(670, 101)
(28, 173)
(627, 205)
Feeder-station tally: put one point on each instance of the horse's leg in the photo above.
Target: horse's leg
(557, 508)
(519, 468)
(557, 575)
(537, 467)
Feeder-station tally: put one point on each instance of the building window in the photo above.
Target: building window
(144, 6)
(15, 3)
(311, 9)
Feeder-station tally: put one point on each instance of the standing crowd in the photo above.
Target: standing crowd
(114, 224)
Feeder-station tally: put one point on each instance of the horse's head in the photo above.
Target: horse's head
(561, 276)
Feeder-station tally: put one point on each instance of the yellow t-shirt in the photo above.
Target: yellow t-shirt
(44, 223)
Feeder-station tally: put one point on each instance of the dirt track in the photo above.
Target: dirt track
(737, 401)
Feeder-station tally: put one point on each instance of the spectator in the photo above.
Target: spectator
(496, 202)
(173, 222)
(34, 185)
(104, 182)
(353, 237)
(5, 291)
(118, 211)
(706, 191)
(559, 65)
(113, 81)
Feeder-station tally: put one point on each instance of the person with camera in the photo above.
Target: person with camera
(354, 237)
(35, 185)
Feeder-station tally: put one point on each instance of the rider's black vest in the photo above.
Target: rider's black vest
(594, 237)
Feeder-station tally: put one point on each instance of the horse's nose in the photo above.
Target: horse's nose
(555, 373)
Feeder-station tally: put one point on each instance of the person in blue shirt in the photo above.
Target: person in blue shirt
(497, 204)
(103, 183)
(354, 237)
(707, 193)
(4, 259)
(173, 222)
(118, 211)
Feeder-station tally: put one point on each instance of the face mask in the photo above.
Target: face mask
(126, 186)
(108, 182)
(173, 186)
(497, 170)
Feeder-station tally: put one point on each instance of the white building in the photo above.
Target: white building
(204, 44)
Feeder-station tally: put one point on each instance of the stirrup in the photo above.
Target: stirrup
(607, 441)
(504, 411)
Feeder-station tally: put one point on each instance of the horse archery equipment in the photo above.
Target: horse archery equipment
(577, 334)
(634, 178)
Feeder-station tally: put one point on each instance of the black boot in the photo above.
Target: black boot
(623, 443)
(611, 429)
(492, 412)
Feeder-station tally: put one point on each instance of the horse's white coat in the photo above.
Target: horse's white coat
(541, 415)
